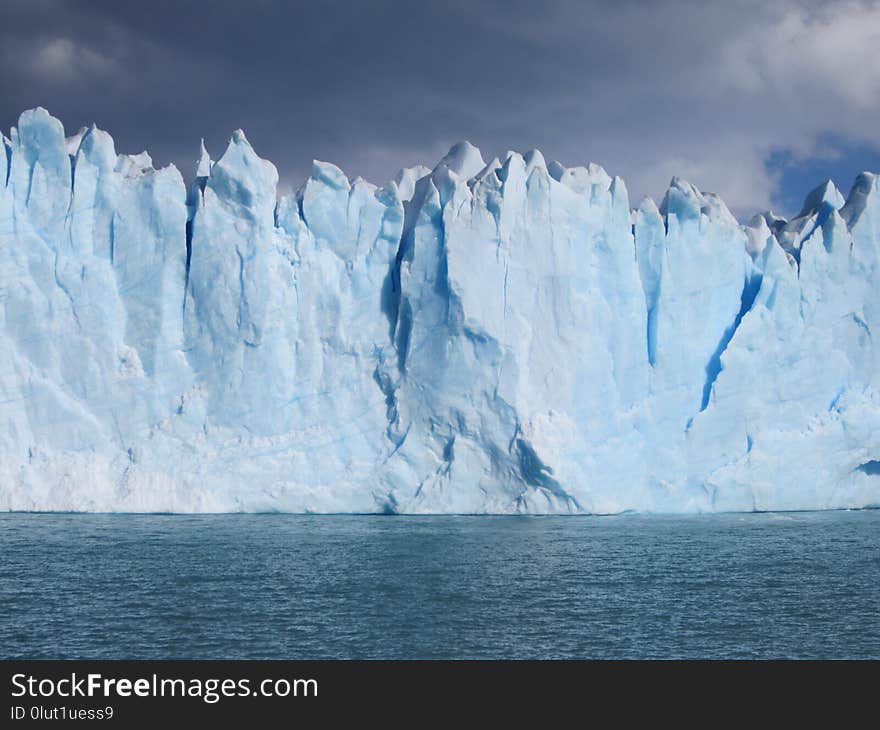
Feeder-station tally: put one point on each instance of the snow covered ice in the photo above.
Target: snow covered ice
(501, 337)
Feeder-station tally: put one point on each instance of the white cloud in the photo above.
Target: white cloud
(781, 78)
(60, 59)
(832, 55)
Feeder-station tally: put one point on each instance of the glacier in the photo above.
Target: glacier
(502, 337)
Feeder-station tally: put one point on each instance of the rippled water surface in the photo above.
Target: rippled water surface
(286, 586)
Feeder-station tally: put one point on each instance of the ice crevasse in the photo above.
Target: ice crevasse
(473, 338)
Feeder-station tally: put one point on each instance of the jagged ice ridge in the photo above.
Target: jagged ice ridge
(502, 337)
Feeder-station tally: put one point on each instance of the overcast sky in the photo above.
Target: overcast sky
(758, 101)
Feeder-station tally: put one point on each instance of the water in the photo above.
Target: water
(296, 587)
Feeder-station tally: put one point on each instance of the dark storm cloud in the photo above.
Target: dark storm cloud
(707, 91)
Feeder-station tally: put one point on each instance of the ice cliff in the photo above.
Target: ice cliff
(501, 337)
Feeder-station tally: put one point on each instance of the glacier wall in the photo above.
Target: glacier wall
(502, 337)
